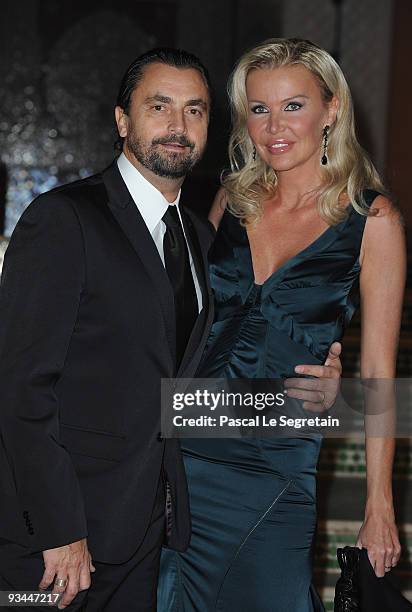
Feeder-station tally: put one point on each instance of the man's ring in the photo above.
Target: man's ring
(61, 582)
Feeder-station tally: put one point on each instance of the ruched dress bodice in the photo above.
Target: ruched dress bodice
(264, 331)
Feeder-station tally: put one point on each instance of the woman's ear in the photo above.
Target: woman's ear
(333, 108)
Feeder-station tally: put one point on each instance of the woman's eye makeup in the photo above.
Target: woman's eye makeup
(258, 108)
(293, 106)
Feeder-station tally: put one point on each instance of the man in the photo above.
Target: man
(105, 291)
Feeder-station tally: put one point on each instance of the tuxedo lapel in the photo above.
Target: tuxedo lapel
(195, 250)
(130, 220)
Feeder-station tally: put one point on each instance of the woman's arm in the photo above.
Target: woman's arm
(382, 283)
(218, 207)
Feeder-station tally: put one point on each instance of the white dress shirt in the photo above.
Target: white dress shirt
(152, 206)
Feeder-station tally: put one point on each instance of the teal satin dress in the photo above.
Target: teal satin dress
(253, 501)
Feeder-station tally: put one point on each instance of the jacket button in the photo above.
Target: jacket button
(31, 531)
(160, 438)
(25, 514)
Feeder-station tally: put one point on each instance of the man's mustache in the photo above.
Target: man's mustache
(174, 139)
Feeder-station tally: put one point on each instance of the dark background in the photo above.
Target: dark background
(61, 63)
(60, 66)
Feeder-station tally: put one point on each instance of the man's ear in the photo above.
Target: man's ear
(121, 121)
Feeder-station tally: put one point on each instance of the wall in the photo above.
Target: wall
(399, 135)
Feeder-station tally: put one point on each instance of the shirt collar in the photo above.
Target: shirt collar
(151, 203)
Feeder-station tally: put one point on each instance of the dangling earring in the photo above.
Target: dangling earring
(254, 154)
(324, 159)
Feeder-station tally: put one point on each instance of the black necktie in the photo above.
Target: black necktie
(177, 265)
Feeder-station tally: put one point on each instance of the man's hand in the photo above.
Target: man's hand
(69, 567)
(318, 394)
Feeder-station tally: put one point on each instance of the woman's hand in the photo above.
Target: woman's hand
(379, 535)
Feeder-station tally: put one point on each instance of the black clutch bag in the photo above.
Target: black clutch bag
(360, 590)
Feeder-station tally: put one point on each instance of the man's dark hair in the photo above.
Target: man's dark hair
(178, 58)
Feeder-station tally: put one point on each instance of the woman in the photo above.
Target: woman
(307, 226)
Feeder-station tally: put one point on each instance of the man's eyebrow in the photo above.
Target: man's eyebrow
(159, 98)
(197, 102)
(167, 100)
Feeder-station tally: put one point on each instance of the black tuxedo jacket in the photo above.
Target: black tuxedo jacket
(87, 330)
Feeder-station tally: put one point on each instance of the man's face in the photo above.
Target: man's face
(165, 129)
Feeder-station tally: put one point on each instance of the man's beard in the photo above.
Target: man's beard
(164, 163)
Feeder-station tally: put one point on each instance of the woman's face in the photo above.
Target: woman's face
(287, 116)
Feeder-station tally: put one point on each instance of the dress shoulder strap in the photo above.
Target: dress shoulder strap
(370, 195)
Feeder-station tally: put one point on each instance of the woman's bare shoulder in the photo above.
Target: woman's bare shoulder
(384, 234)
(218, 207)
(385, 215)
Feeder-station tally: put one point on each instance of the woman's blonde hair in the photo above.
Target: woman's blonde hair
(349, 170)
